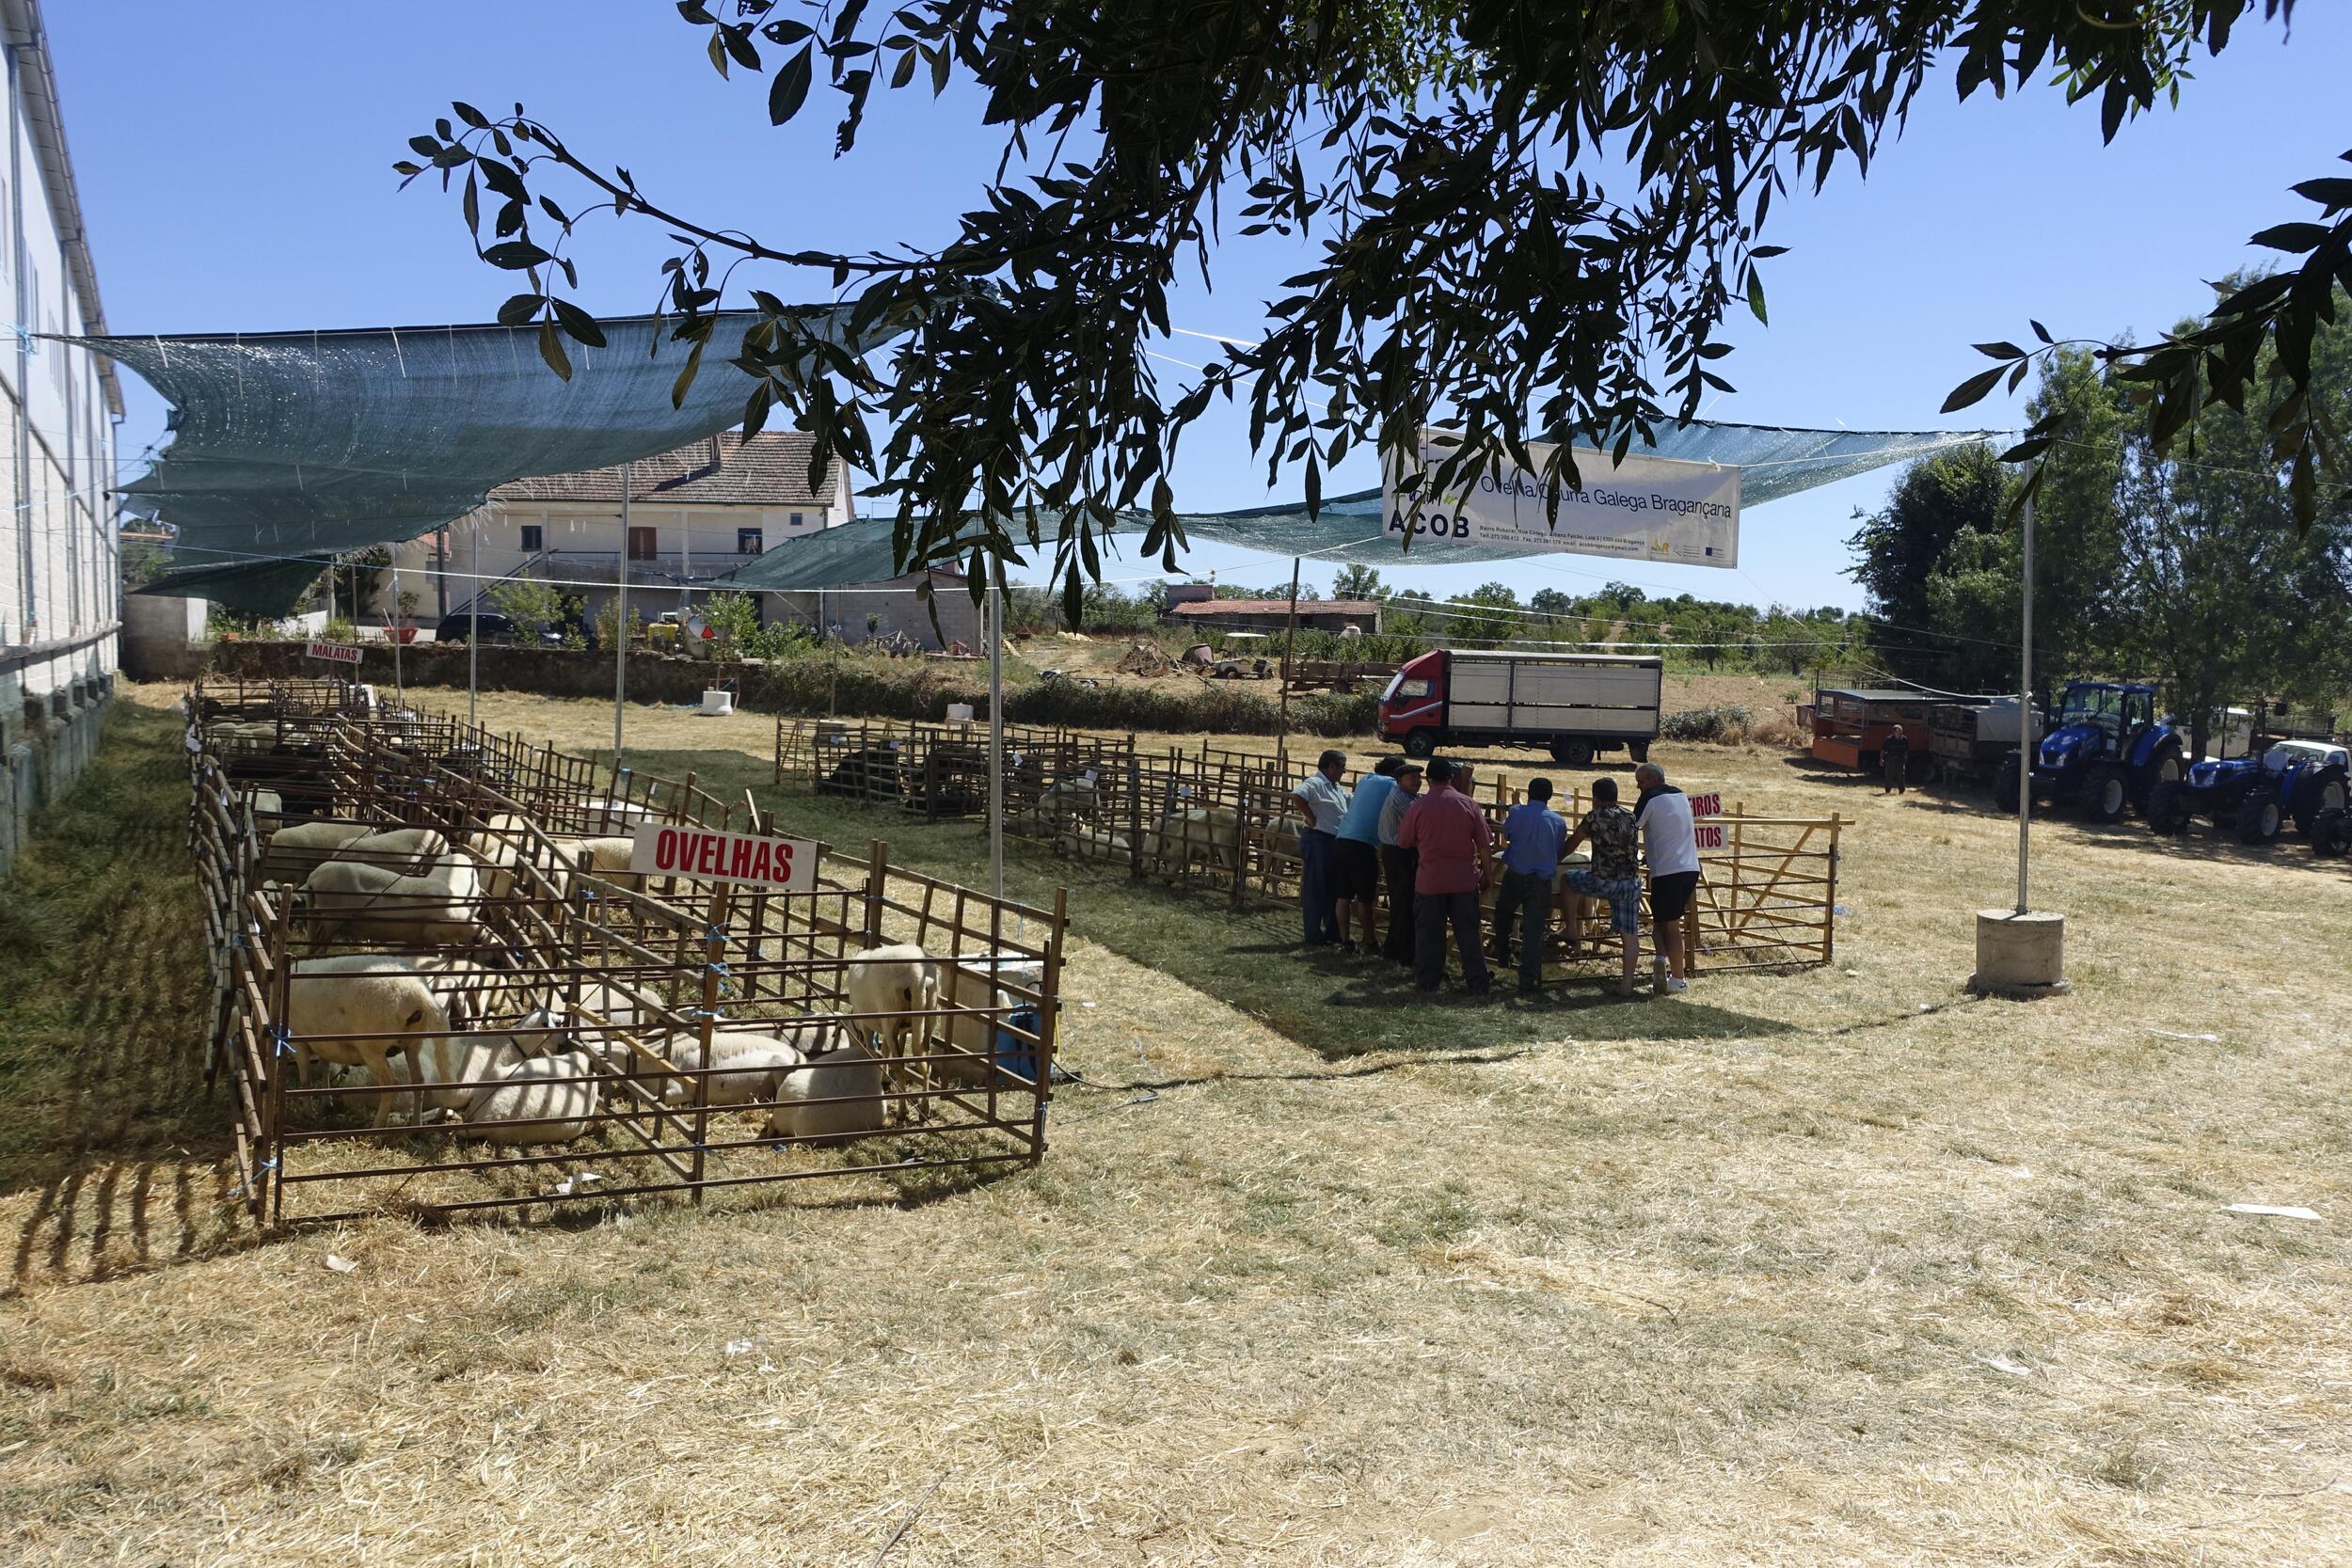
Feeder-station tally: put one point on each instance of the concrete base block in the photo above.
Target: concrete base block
(2021, 956)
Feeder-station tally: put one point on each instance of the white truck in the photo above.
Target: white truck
(1571, 705)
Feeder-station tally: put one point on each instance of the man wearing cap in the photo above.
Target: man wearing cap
(1319, 802)
(1356, 857)
(1399, 864)
(1450, 833)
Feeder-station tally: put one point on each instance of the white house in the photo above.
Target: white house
(695, 515)
(60, 595)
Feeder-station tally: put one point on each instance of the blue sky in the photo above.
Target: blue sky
(234, 167)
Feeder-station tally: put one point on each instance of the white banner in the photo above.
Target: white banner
(334, 652)
(1656, 509)
(664, 849)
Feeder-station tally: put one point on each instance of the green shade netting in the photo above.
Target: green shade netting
(297, 445)
(1772, 462)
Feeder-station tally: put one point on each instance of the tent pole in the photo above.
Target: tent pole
(400, 689)
(620, 619)
(993, 608)
(2024, 712)
(1290, 636)
(473, 622)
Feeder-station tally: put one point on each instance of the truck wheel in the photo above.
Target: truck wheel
(2005, 783)
(2104, 793)
(2322, 791)
(2331, 835)
(1421, 743)
(1577, 753)
(2169, 808)
(2259, 817)
(1638, 750)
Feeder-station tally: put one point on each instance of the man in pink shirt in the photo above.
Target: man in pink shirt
(1449, 832)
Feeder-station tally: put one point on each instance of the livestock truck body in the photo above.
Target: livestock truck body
(1573, 705)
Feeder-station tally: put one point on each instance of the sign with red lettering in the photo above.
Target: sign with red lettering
(670, 849)
(1705, 834)
(334, 652)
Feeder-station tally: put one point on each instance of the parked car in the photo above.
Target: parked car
(495, 627)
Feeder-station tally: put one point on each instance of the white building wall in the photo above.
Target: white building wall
(59, 542)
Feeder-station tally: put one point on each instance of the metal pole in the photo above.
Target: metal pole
(29, 611)
(2024, 712)
(400, 689)
(620, 619)
(993, 608)
(473, 621)
(1290, 636)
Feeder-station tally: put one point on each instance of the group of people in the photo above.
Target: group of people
(1434, 850)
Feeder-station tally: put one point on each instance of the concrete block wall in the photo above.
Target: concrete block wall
(48, 742)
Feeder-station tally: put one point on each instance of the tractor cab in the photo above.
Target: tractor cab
(2105, 753)
(2105, 716)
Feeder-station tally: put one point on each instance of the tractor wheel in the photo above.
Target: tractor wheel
(2169, 808)
(2259, 818)
(2005, 785)
(2331, 835)
(1421, 743)
(2105, 794)
(1575, 752)
(2322, 791)
(2165, 765)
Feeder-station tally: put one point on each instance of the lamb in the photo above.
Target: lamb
(383, 906)
(1090, 843)
(746, 1067)
(847, 1081)
(450, 1066)
(293, 851)
(527, 1094)
(1202, 832)
(888, 988)
(364, 995)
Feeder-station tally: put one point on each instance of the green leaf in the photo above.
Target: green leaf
(1755, 295)
(1973, 389)
(578, 323)
(2294, 237)
(2330, 192)
(471, 116)
(2000, 351)
(2041, 331)
(552, 350)
(790, 88)
(686, 377)
(519, 308)
(515, 255)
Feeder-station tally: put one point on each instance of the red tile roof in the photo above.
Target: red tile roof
(1275, 607)
(771, 469)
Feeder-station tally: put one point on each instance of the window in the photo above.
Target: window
(531, 541)
(799, 519)
(642, 545)
(749, 541)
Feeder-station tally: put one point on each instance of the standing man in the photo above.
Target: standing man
(1319, 802)
(1670, 844)
(1615, 875)
(1895, 762)
(1450, 833)
(1532, 836)
(1399, 864)
(1356, 857)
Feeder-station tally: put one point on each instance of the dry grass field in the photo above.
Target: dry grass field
(1816, 1267)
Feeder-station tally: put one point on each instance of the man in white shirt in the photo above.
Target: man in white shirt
(1319, 802)
(1670, 846)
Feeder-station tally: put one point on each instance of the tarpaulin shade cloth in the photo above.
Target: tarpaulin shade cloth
(1774, 462)
(302, 445)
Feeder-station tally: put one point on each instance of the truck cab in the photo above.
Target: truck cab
(1412, 709)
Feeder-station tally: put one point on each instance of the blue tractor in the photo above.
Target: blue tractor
(2105, 753)
(2256, 794)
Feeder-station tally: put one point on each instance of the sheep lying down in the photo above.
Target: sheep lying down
(849, 1077)
(527, 1094)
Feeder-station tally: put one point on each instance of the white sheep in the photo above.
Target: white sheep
(1090, 843)
(887, 990)
(383, 906)
(1202, 832)
(380, 998)
(292, 851)
(745, 1067)
(850, 1083)
(525, 1094)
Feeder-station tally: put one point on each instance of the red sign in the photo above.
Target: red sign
(334, 652)
(1706, 836)
(666, 850)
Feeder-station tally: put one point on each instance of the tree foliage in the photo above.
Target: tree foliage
(1537, 233)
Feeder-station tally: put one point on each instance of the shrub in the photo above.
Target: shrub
(340, 630)
(532, 605)
(1725, 725)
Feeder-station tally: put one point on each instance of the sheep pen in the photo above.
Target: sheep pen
(521, 1008)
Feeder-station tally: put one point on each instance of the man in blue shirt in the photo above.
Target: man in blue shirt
(1356, 855)
(1534, 836)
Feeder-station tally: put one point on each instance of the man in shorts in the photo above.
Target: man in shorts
(1615, 875)
(1356, 857)
(1399, 865)
(1670, 844)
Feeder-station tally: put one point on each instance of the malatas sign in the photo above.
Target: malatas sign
(664, 849)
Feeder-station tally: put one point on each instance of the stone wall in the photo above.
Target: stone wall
(47, 745)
